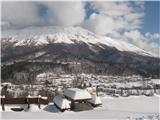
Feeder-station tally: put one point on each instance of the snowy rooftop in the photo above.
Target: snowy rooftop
(155, 81)
(77, 94)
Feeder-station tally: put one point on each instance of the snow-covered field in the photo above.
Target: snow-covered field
(131, 108)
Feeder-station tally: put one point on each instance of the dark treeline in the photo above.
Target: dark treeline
(26, 72)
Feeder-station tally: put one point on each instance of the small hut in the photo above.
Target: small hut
(77, 97)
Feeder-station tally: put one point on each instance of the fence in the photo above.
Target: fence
(130, 91)
(28, 101)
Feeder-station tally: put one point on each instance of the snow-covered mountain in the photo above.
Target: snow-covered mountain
(70, 35)
(69, 50)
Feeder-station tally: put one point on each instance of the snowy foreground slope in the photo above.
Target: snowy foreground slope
(130, 108)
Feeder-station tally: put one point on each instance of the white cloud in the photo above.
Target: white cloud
(134, 35)
(20, 14)
(152, 36)
(65, 13)
(114, 16)
(99, 24)
(23, 14)
(144, 42)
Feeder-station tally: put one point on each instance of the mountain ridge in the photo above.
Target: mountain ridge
(47, 35)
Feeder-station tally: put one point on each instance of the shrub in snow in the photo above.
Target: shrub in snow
(95, 101)
(33, 108)
(61, 102)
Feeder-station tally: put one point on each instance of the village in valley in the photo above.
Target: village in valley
(49, 84)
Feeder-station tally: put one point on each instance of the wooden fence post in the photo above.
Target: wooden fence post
(39, 104)
(154, 89)
(121, 91)
(97, 90)
(138, 92)
(28, 101)
(3, 100)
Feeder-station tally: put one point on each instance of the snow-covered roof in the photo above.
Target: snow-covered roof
(2, 96)
(135, 84)
(61, 102)
(29, 96)
(44, 98)
(155, 81)
(77, 94)
(126, 85)
(6, 83)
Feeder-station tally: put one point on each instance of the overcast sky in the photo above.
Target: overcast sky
(134, 22)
